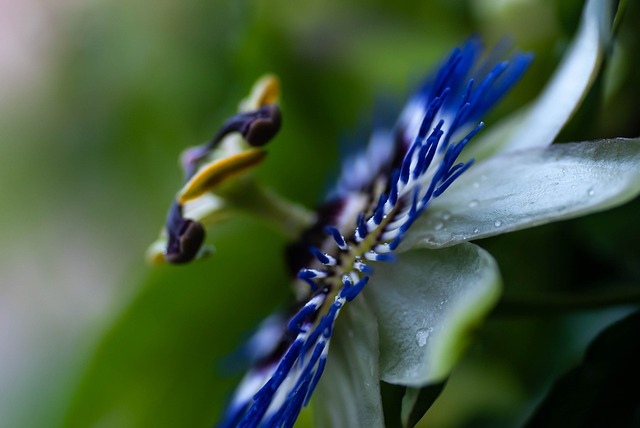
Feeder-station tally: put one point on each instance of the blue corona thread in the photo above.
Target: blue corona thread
(407, 166)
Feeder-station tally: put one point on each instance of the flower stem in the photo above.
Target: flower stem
(259, 201)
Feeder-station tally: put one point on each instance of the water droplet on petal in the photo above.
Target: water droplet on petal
(476, 230)
(497, 223)
(429, 238)
(438, 226)
(591, 192)
(473, 204)
(446, 215)
(475, 184)
(422, 335)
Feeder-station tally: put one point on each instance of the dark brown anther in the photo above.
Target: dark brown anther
(257, 127)
(185, 236)
(190, 240)
(264, 127)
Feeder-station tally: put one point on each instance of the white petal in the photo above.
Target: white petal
(427, 302)
(348, 394)
(528, 188)
(540, 123)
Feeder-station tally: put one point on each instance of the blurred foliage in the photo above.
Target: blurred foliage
(596, 393)
(90, 161)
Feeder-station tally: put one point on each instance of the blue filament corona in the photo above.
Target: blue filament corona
(438, 122)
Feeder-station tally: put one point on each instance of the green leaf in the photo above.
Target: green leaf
(427, 304)
(417, 401)
(392, 397)
(539, 124)
(602, 391)
(404, 407)
(529, 188)
(348, 394)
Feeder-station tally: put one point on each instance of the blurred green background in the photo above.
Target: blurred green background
(98, 99)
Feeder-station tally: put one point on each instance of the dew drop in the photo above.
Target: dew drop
(429, 238)
(591, 192)
(476, 230)
(446, 215)
(473, 204)
(422, 335)
(497, 223)
(438, 226)
(475, 184)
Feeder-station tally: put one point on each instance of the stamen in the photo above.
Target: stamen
(486, 84)
(308, 276)
(362, 267)
(393, 192)
(445, 72)
(361, 229)
(405, 170)
(390, 235)
(432, 111)
(375, 257)
(311, 274)
(455, 125)
(455, 172)
(346, 281)
(321, 364)
(337, 237)
(185, 236)
(428, 151)
(382, 248)
(305, 313)
(379, 211)
(324, 258)
(210, 176)
(349, 293)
